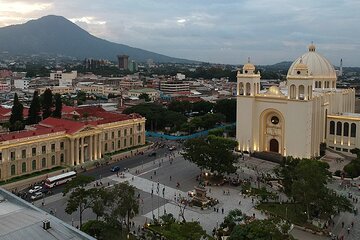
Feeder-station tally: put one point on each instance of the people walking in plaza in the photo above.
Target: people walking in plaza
(222, 210)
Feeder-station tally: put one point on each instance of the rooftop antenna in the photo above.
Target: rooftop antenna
(248, 59)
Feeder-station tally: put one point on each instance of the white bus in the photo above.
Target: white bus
(59, 179)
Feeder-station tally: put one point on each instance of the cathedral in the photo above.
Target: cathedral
(296, 117)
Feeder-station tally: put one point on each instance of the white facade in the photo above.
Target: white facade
(290, 120)
(21, 83)
(65, 79)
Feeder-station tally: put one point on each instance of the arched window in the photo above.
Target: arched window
(338, 128)
(23, 167)
(62, 157)
(292, 91)
(346, 129)
(13, 170)
(139, 139)
(119, 144)
(113, 145)
(316, 84)
(332, 127)
(125, 142)
(248, 87)
(43, 162)
(33, 165)
(106, 148)
(301, 92)
(353, 130)
(53, 161)
(319, 84)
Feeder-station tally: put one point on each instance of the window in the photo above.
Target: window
(53, 161)
(33, 165)
(346, 129)
(23, 153)
(106, 148)
(119, 144)
(125, 132)
(62, 157)
(338, 128)
(113, 145)
(106, 136)
(332, 127)
(131, 131)
(23, 167)
(43, 149)
(131, 141)
(112, 135)
(338, 149)
(119, 133)
(345, 150)
(139, 139)
(12, 155)
(274, 120)
(62, 145)
(139, 127)
(353, 130)
(53, 147)
(43, 162)
(33, 151)
(124, 142)
(12, 170)
(0, 156)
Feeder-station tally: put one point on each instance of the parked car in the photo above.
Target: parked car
(153, 154)
(172, 148)
(35, 189)
(115, 169)
(36, 196)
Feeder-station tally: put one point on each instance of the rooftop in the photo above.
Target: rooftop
(20, 220)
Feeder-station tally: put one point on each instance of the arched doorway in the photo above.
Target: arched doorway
(274, 145)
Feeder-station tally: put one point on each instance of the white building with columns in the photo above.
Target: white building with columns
(294, 119)
(61, 142)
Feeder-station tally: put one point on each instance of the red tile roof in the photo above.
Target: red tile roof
(68, 125)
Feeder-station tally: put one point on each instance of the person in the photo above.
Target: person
(170, 178)
(222, 210)
(342, 225)
(348, 230)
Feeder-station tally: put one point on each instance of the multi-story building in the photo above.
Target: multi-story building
(152, 93)
(61, 142)
(5, 87)
(171, 87)
(65, 79)
(22, 83)
(123, 61)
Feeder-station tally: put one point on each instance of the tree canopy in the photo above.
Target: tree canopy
(145, 96)
(58, 106)
(17, 117)
(47, 103)
(213, 153)
(34, 110)
(228, 108)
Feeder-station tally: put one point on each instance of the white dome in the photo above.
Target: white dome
(319, 67)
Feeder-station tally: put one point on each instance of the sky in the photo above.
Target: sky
(219, 31)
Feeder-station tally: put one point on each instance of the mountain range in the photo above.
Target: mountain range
(57, 35)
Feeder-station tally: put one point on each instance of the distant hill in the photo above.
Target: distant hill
(57, 35)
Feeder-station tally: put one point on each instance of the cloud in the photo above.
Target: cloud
(22, 7)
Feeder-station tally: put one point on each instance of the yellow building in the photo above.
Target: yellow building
(294, 118)
(60, 142)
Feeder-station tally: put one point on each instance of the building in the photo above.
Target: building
(65, 79)
(152, 93)
(22, 220)
(5, 87)
(294, 118)
(62, 142)
(172, 87)
(123, 62)
(22, 84)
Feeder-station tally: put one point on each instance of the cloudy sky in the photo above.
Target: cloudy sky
(223, 31)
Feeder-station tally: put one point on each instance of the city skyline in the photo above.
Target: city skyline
(267, 31)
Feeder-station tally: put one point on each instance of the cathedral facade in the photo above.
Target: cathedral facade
(296, 117)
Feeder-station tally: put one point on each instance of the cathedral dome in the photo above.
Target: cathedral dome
(319, 67)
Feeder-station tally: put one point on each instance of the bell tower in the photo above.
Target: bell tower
(248, 82)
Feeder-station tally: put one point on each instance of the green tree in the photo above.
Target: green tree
(17, 117)
(34, 110)
(58, 106)
(80, 199)
(145, 96)
(214, 153)
(47, 103)
(233, 218)
(124, 205)
(258, 230)
(174, 119)
(228, 108)
(180, 106)
(80, 181)
(81, 96)
(202, 107)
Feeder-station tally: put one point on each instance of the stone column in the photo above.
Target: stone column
(99, 144)
(91, 148)
(77, 151)
(82, 150)
(95, 148)
(72, 148)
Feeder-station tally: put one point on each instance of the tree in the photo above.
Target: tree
(258, 230)
(47, 103)
(233, 218)
(80, 181)
(145, 96)
(214, 153)
(202, 107)
(80, 199)
(17, 118)
(180, 106)
(124, 205)
(58, 106)
(34, 110)
(228, 108)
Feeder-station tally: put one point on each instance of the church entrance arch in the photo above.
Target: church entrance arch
(274, 145)
(272, 127)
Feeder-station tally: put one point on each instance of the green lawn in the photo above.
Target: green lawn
(295, 213)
